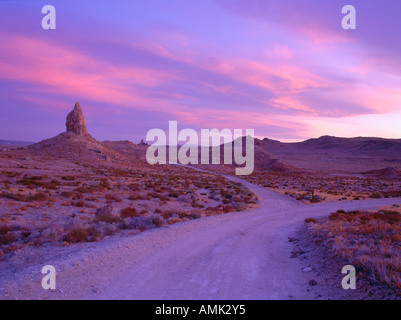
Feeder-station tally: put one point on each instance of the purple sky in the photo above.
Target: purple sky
(284, 68)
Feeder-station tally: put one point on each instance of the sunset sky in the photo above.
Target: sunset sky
(284, 68)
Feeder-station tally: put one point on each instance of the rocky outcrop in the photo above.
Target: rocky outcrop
(76, 121)
(76, 143)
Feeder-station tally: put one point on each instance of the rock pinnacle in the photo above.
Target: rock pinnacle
(76, 121)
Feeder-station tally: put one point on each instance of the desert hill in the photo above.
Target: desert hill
(363, 144)
(263, 160)
(13, 143)
(334, 154)
(77, 144)
(389, 173)
(128, 148)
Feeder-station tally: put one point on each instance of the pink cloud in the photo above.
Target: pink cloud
(281, 52)
(68, 71)
(289, 103)
(323, 36)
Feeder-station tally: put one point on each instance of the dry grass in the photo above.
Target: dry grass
(314, 187)
(81, 234)
(129, 212)
(58, 200)
(369, 241)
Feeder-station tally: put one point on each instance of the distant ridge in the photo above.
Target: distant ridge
(389, 172)
(360, 143)
(15, 143)
(329, 153)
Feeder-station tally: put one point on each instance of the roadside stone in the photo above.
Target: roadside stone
(312, 283)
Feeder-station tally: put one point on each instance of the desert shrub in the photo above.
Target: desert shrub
(39, 196)
(134, 197)
(7, 238)
(68, 178)
(181, 214)
(50, 186)
(77, 196)
(112, 197)
(316, 199)
(154, 194)
(52, 233)
(167, 214)
(31, 182)
(129, 212)
(375, 196)
(194, 215)
(55, 182)
(25, 234)
(310, 220)
(4, 229)
(389, 216)
(141, 223)
(79, 204)
(134, 187)
(67, 194)
(104, 183)
(82, 234)
(173, 194)
(83, 190)
(345, 216)
(108, 218)
(227, 209)
(225, 193)
(197, 205)
(173, 220)
(107, 229)
(158, 220)
(77, 235)
(14, 196)
(164, 198)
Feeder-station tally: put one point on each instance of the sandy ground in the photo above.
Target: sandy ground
(244, 255)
